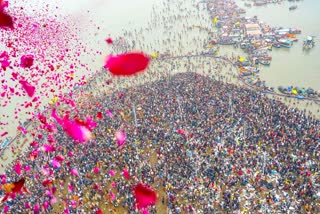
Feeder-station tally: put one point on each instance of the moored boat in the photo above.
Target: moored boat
(285, 43)
(5, 143)
(308, 43)
(264, 62)
(276, 45)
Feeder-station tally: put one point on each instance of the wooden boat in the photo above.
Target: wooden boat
(5, 143)
(264, 62)
(276, 45)
(247, 73)
(294, 31)
(283, 90)
(285, 43)
(308, 43)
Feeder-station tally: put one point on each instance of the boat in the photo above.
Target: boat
(293, 7)
(247, 73)
(294, 31)
(283, 90)
(245, 63)
(264, 62)
(299, 90)
(276, 45)
(285, 43)
(5, 143)
(308, 43)
(310, 91)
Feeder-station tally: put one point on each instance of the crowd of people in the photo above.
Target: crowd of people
(203, 145)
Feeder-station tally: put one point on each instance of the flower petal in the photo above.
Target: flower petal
(127, 64)
(144, 196)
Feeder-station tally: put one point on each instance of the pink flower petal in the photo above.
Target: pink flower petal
(26, 61)
(45, 205)
(6, 208)
(55, 163)
(74, 172)
(23, 130)
(109, 113)
(34, 144)
(127, 64)
(27, 205)
(120, 137)
(28, 88)
(59, 158)
(36, 209)
(3, 4)
(70, 188)
(113, 196)
(126, 173)
(4, 134)
(80, 133)
(180, 131)
(112, 173)
(144, 196)
(17, 168)
(96, 170)
(70, 154)
(53, 200)
(48, 148)
(145, 211)
(27, 168)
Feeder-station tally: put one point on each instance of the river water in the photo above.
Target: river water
(292, 66)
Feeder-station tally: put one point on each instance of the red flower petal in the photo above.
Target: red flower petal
(5, 20)
(127, 64)
(14, 187)
(144, 196)
(109, 41)
(99, 115)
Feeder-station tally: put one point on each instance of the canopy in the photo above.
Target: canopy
(294, 91)
(242, 59)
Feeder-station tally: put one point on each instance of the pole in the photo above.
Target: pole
(264, 162)
(135, 115)
(178, 99)
(230, 105)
